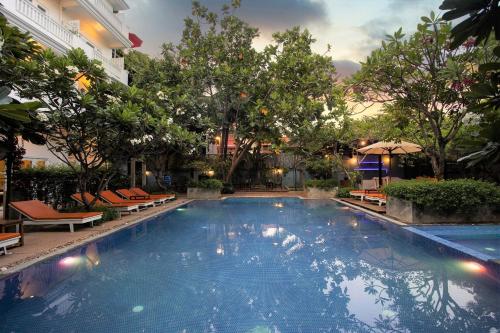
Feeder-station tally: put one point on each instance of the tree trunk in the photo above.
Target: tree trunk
(9, 161)
(438, 162)
(235, 161)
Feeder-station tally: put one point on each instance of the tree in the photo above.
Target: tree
(481, 20)
(178, 126)
(424, 84)
(87, 121)
(16, 119)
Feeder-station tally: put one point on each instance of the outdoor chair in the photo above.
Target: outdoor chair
(121, 207)
(8, 239)
(377, 197)
(38, 213)
(131, 195)
(112, 198)
(139, 191)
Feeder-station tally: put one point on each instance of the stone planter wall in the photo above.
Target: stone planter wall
(406, 211)
(317, 193)
(203, 193)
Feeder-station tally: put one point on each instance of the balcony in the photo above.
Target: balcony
(103, 12)
(53, 34)
(44, 28)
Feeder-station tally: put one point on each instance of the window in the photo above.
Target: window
(25, 164)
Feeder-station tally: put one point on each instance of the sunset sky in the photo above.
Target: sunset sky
(352, 27)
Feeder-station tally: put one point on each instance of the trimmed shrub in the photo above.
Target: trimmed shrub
(324, 184)
(448, 196)
(343, 192)
(53, 184)
(212, 184)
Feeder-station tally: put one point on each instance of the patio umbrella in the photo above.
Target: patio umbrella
(389, 148)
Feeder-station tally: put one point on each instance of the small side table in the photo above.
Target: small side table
(4, 224)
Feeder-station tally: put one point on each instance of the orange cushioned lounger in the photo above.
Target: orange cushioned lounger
(38, 213)
(111, 197)
(130, 195)
(140, 191)
(122, 207)
(8, 239)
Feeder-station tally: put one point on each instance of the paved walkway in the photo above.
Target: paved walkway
(46, 241)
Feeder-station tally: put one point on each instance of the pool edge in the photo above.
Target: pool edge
(25, 264)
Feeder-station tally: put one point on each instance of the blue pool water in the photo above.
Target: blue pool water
(252, 266)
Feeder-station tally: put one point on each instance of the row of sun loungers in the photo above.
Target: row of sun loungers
(35, 212)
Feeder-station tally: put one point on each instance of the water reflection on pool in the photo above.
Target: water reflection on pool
(252, 265)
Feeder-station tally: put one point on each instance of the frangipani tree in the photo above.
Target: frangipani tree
(16, 119)
(86, 117)
(424, 83)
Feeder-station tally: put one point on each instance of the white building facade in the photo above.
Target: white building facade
(92, 25)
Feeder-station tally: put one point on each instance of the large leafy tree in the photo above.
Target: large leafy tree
(256, 96)
(16, 119)
(179, 123)
(481, 21)
(220, 68)
(89, 117)
(425, 85)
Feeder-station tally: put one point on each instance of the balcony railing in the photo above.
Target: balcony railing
(46, 22)
(103, 7)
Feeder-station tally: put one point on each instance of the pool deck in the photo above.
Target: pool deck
(44, 242)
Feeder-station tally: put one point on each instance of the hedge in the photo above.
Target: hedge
(53, 184)
(448, 196)
(324, 184)
(213, 184)
(343, 192)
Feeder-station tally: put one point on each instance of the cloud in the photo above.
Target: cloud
(379, 27)
(346, 68)
(157, 21)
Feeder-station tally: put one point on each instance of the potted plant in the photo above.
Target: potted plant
(449, 201)
(322, 188)
(205, 189)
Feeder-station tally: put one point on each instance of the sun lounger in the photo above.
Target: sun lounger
(377, 197)
(121, 207)
(8, 239)
(361, 194)
(38, 213)
(112, 198)
(139, 191)
(129, 195)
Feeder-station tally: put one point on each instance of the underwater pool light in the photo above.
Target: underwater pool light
(181, 209)
(489, 249)
(137, 308)
(473, 266)
(70, 261)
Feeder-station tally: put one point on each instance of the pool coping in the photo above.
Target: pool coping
(452, 248)
(43, 257)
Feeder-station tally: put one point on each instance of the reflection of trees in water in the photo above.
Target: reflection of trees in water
(422, 301)
(264, 277)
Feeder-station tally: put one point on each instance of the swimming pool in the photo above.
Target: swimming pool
(484, 239)
(252, 265)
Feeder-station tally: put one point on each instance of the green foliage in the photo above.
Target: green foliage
(319, 167)
(324, 184)
(343, 192)
(445, 197)
(213, 184)
(425, 85)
